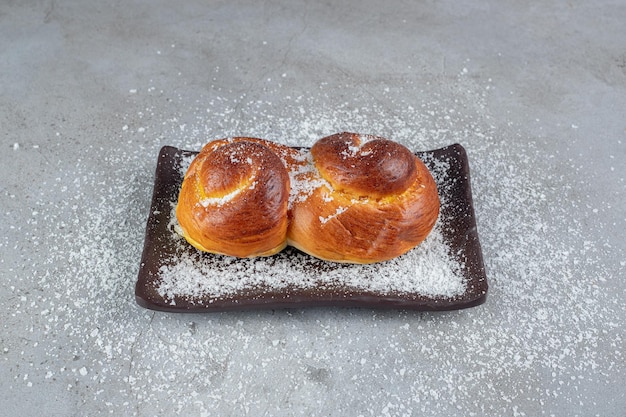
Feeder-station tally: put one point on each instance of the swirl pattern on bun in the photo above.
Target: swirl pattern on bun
(375, 201)
(234, 199)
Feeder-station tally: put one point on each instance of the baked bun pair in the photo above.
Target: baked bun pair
(350, 198)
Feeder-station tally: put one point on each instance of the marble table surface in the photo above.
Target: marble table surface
(534, 91)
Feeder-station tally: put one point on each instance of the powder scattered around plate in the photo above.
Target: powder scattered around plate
(549, 340)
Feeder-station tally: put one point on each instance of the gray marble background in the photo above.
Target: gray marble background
(535, 92)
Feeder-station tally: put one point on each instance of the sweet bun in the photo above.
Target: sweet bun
(368, 199)
(350, 198)
(234, 198)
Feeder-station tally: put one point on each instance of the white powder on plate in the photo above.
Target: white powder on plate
(428, 270)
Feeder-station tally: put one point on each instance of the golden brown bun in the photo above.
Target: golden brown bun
(234, 198)
(352, 198)
(369, 200)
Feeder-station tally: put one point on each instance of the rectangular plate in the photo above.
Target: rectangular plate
(164, 250)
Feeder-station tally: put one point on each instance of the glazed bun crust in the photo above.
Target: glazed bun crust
(363, 164)
(234, 199)
(376, 201)
(352, 198)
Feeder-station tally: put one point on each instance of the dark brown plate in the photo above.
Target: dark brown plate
(163, 248)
